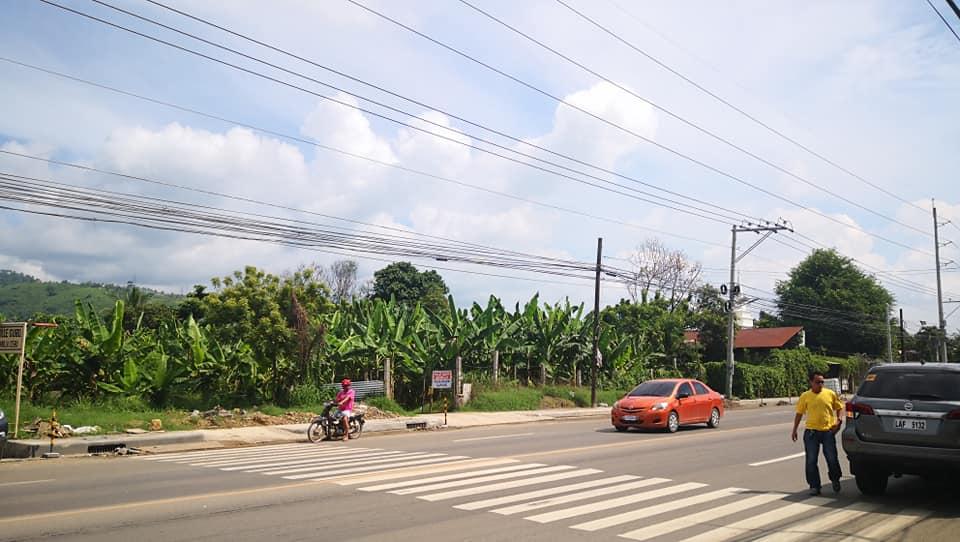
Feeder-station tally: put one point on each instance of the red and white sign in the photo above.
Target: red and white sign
(442, 379)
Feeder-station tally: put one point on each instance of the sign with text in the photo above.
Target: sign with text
(442, 379)
(12, 336)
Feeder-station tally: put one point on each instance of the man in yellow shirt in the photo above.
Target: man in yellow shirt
(823, 409)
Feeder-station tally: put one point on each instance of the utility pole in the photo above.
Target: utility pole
(596, 327)
(942, 339)
(903, 344)
(889, 336)
(733, 289)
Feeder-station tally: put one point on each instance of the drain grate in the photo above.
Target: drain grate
(104, 448)
(417, 425)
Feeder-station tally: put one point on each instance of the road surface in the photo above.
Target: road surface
(566, 480)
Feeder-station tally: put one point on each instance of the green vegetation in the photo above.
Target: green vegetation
(23, 297)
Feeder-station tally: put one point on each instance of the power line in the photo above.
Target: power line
(937, 11)
(723, 218)
(734, 107)
(333, 150)
(523, 141)
(627, 130)
(682, 119)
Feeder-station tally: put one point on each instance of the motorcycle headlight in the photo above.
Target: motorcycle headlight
(659, 406)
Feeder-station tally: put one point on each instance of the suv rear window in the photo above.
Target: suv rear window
(925, 385)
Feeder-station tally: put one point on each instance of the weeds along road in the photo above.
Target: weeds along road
(568, 480)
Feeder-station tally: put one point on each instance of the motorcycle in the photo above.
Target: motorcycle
(329, 424)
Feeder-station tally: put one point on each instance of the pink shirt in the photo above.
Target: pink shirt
(349, 395)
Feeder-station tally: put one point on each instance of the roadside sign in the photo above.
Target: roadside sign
(12, 336)
(442, 379)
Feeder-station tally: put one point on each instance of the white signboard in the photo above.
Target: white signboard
(442, 379)
(12, 337)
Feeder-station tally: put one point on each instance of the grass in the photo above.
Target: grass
(118, 416)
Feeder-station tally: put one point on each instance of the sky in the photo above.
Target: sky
(871, 86)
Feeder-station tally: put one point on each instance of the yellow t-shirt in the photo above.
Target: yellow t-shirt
(820, 409)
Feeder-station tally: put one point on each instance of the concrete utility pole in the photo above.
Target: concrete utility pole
(942, 339)
(903, 344)
(596, 327)
(889, 336)
(733, 289)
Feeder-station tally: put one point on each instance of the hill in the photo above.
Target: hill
(23, 296)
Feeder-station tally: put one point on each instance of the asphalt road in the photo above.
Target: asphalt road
(567, 480)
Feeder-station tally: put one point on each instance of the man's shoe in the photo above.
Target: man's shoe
(836, 486)
(814, 491)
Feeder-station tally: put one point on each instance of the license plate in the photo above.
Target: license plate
(629, 418)
(910, 425)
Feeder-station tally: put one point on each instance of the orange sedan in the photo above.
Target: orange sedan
(668, 404)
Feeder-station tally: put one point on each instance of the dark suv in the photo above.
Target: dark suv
(904, 419)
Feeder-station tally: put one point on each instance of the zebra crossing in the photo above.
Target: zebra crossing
(627, 506)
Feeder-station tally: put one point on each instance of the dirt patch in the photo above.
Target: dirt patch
(251, 419)
(556, 402)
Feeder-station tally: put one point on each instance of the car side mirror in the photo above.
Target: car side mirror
(682, 395)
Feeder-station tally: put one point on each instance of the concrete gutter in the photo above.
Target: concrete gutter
(245, 436)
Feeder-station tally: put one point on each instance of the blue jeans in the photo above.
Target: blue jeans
(812, 440)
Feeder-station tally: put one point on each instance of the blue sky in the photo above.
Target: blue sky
(872, 85)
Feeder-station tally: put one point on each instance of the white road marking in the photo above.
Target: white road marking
(891, 524)
(777, 460)
(497, 501)
(612, 503)
(816, 526)
(361, 461)
(226, 462)
(750, 525)
(650, 511)
(418, 471)
(340, 472)
(27, 482)
(482, 479)
(259, 464)
(667, 527)
(508, 485)
(456, 476)
(552, 501)
(222, 452)
(494, 437)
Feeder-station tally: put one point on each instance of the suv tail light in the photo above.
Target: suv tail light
(855, 410)
(954, 414)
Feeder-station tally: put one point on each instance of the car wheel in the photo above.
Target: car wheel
(673, 422)
(872, 482)
(621, 428)
(714, 420)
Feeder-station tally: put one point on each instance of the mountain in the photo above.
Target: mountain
(23, 296)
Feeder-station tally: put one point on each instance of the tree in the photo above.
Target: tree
(665, 272)
(402, 281)
(842, 309)
(341, 277)
(710, 320)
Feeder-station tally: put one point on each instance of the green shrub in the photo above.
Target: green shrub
(505, 399)
(307, 395)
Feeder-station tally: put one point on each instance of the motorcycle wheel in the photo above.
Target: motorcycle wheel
(315, 432)
(356, 428)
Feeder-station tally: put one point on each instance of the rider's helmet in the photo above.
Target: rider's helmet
(345, 383)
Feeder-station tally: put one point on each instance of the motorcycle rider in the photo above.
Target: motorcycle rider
(344, 400)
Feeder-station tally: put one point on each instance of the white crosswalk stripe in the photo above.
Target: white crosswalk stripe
(590, 508)
(489, 503)
(582, 496)
(507, 485)
(756, 524)
(674, 525)
(650, 511)
(629, 506)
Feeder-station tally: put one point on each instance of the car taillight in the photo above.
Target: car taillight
(855, 410)
(954, 414)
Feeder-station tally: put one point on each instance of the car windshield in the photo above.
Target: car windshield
(653, 389)
(906, 385)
